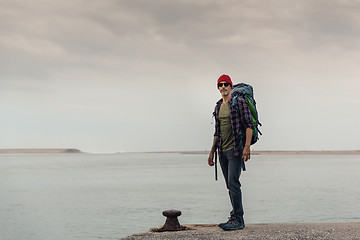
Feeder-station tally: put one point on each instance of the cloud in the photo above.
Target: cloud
(137, 69)
(121, 33)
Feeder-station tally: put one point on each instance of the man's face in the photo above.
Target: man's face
(224, 88)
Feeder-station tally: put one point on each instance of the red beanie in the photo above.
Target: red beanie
(225, 78)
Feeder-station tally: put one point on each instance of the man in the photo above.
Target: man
(231, 124)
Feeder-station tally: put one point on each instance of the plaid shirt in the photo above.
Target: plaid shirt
(240, 121)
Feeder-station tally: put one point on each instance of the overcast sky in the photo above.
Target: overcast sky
(140, 75)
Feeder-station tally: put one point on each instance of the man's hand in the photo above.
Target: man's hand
(246, 153)
(211, 159)
(246, 150)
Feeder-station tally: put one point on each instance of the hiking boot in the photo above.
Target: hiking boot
(223, 224)
(234, 224)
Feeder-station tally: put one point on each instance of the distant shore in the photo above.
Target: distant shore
(261, 152)
(253, 152)
(40, 150)
(344, 152)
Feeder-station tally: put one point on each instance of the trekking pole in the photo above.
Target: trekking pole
(215, 165)
(216, 146)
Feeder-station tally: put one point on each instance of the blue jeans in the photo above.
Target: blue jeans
(231, 168)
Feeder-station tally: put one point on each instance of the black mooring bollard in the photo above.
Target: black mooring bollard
(172, 222)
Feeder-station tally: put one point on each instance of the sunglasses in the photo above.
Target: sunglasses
(226, 84)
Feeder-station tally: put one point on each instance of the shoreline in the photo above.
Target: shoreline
(278, 231)
(40, 150)
(328, 152)
(278, 152)
(253, 152)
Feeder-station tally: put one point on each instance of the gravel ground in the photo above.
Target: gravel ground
(272, 231)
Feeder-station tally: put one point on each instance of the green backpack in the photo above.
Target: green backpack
(246, 92)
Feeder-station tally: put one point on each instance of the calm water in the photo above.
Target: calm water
(110, 196)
